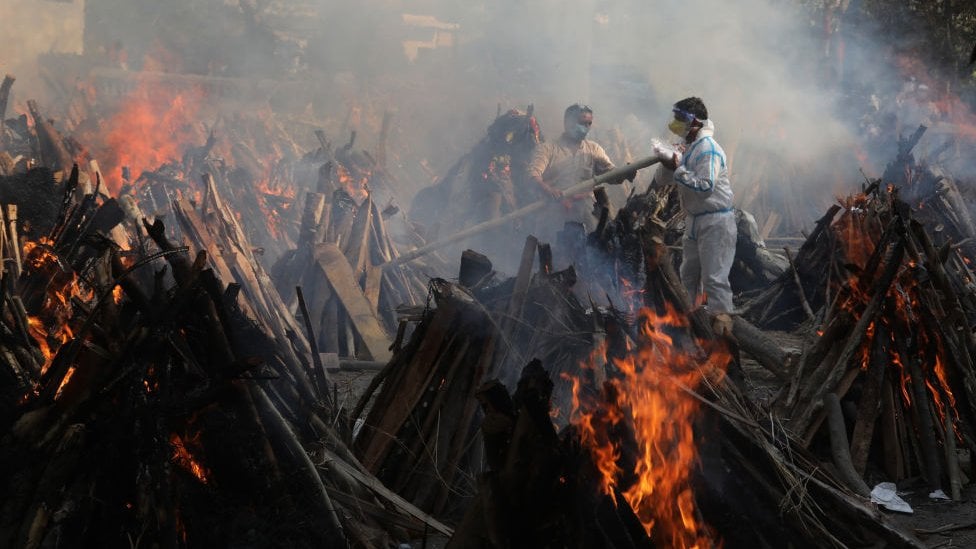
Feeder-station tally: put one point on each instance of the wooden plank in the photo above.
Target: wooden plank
(360, 312)
(357, 246)
(521, 288)
(374, 279)
(411, 379)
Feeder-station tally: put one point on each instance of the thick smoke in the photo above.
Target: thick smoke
(765, 68)
(757, 64)
(32, 29)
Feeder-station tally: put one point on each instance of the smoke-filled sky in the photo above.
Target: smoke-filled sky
(760, 66)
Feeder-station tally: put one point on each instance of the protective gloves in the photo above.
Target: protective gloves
(669, 157)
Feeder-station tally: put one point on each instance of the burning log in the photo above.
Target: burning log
(52, 149)
(535, 480)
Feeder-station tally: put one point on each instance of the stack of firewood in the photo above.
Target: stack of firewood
(344, 263)
(477, 329)
(893, 342)
(157, 389)
(540, 484)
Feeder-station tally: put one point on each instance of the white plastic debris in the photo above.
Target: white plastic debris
(938, 494)
(886, 495)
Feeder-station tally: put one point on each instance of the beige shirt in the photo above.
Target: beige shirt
(564, 163)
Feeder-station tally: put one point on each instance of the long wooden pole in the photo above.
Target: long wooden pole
(583, 186)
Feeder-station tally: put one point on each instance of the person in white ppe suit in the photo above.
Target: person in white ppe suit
(701, 176)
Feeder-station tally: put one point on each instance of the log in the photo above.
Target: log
(356, 247)
(13, 238)
(924, 425)
(285, 436)
(951, 457)
(894, 456)
(311, 215)
(8, 82)
(839, 447)
(763, 348)
(799, 287)
(343, 281)
(318, 369)
(514, 313)
(51, 143)
(869, 407)
(382, 491)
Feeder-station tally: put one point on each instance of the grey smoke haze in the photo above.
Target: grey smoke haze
(758, 64)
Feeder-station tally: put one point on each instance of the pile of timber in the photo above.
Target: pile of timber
(257, 174)
(541, 484)
(161, 393)
(894, 345)
(30, 140)
(805, 288)
(419, 432)
(344, 265)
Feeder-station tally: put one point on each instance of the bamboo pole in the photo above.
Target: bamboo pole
(584, 186)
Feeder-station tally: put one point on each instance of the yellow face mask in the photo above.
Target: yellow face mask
(678, 128)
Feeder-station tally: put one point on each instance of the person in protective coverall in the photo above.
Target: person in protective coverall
(701, 176)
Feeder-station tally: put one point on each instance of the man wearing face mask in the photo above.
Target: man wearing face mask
(558, 165)
(701, 177)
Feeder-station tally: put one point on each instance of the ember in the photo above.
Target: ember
(183, 457)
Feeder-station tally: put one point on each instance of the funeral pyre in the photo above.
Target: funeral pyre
(631, 429)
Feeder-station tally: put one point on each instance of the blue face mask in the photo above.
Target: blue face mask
(579, 131)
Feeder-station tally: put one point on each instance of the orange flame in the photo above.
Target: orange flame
(39, 333)
(857, 238)
(49, 327)
(649, 398)
(183, 457)
(153, 126)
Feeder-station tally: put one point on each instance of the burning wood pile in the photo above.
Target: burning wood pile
(894, 343)
(158, 392)
(592, 464)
